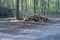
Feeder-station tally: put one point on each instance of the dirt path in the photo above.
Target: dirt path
(27, 31)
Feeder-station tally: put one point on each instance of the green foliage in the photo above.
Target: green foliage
(30, 5)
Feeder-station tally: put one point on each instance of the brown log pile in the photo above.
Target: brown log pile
(31, 18)
(36, 18)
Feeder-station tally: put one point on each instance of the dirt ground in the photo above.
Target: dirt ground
(27, 31)
(17, 30)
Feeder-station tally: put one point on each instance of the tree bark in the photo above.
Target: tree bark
(48, 5)
(17, 10)
(21, 5)
(42, 5)
(26, 4)
(8, 3)
(34, 6)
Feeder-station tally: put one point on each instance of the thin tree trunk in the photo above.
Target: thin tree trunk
(13, 3)
(17, 10)
(0, 3)
(21, 5)
(56, 5)
(26, 4)
(48, 5)
(8, 3)
(42, 6)
(34, 6)
(37, 5)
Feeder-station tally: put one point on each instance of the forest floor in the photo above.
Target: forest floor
(27, 31)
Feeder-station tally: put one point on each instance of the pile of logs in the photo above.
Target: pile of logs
(36, 18)
(32, 18)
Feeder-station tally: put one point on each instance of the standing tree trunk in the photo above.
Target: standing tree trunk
(41, 5)
(0, 3)
(48, 4)
(34, 6)
(44, 7)
(21, 5)
(57, 5)
(12, 3)
(8, 3)
(0, 6)
(37, 5)
(8, 7)
(17, 10)
(26, 5)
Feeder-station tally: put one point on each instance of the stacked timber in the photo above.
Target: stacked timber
(36, 18)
